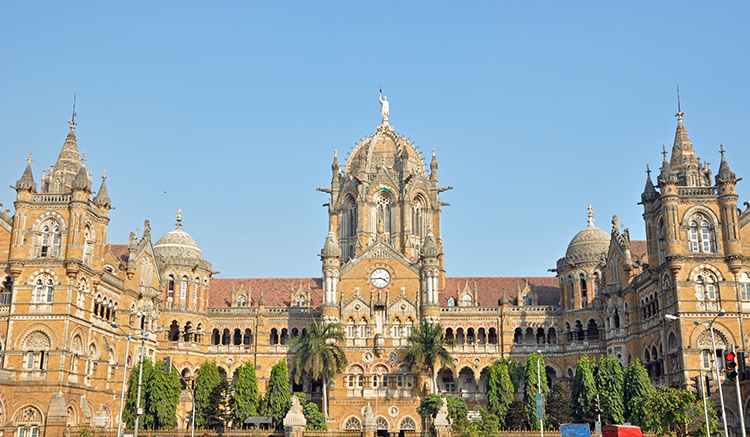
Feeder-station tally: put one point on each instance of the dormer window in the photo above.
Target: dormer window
(466, 300)
(451, 302)
(300, 301)
(241, 301)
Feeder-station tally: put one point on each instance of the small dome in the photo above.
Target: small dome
(178, 244)
(589, 244)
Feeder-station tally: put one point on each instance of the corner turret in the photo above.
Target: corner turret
(26, 183)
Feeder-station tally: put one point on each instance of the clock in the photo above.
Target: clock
(380, 278)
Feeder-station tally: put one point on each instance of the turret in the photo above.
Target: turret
(102, 199)
(649, 193)
(331, 258)
(26, 183)
(725, 181)
(430, 270)
(433, 167)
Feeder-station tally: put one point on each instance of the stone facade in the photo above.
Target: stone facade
(382, 273)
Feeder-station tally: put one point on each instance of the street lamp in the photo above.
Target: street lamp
(143, 333)
(124, 374)
(539, 387)
(716, 367)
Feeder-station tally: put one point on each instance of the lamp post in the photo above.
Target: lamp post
(716, 365)
(143, 333)
(539, 388)
(124, 374)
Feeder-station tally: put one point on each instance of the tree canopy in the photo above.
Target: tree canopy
(246, 395)
(668, 411)
(160, 393)
(500, 391)
(609, 385)
(319, 355)
(535, 379)
(207, 381)
(583, 392)
(278, 394)
(636, 384)
(427, 347)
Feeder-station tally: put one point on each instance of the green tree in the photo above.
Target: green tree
(673, 411)
(164, 388)
(532, 385)
(160, 393)
(609, 384)
(206, 381)
(500, 391)
(315, 419)
(637, 384)
(583, 392)
(147, 420)
(427, 347)
(558, 408)
(457, 409)
(246, 394)
(319, 355)
(278, 394)
(515, 370)
(515, 418)
(219, 409)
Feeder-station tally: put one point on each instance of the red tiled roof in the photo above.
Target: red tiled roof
(490, 290)
(276, 291)
(638, 248)
(119, 251)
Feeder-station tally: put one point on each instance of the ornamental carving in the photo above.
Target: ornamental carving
(37, 340)
(28, 416)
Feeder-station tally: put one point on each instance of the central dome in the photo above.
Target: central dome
(178, 244)
(387, 147)
(588, 245)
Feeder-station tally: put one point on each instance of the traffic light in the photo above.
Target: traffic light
(730, 364)
(597, 410)
(709, 381)
(167, 367)
(697, 386)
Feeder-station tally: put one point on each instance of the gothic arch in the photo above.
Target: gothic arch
(28, 414)
(46, 216)
(38, 338)
(713, 220)
(49, 272)
(700, 268)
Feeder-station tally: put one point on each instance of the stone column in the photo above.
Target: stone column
(294, 421)
(57, 416)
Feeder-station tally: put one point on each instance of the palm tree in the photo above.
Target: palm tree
(427, 346)
(319, 355)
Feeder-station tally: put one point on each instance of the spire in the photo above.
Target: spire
(590, 214)
(433, 167)
(649, 193)
(430, 248)
(667, 176)
(102, 197)
(335, 165)
(725, 175)
(82, 181)
(262, 300)
(27, 179)
(179, 218)
(331, 247)
(683, 154)
(68, 161)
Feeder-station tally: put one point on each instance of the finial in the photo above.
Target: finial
(664, 151)
(28, 161)
(590, 214)
(179, 218)
(83, 159)
(335, 153)
(648, 171)
(104, 174)
(73, 119)
(679, 110)
(721, 150)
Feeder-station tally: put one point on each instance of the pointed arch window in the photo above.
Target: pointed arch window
(170, 287)
(300, 301)
(706, 289)
(584, 290)
(44, 290)
(51, 238)
(418, 218)
(700, 235)
(383, 203)
(744, 286)
(660, 233)
(348, 227)
(88, 247)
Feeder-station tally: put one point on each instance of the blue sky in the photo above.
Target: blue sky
(232, 111)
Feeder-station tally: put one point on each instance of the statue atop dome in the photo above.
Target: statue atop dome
(385, 108)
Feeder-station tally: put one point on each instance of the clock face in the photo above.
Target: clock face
(380, 278)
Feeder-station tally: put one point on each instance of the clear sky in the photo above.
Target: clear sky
(232, 111)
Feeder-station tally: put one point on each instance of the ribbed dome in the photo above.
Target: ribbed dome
(589, 244)
(384, 146)
(178, 244)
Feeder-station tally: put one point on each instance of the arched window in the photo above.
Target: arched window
(584, 290)
(700, 235)
(383, 205)
(660, 235)
(614, 269)
(364, 330)
(44, 290)
(408, 424)
(353, 424)
(466, 300)
(418, 218)
(705, 289)
(6, 292)
(50, 246)
(451, 302)
(195, 293)
(597, 284)
(170, 287)
(396, 328)
(300, 301)
(348, 227)
(183, 290)
(88, 247)
(351, 330)
(241, 302)
(744, 280)
(407, 327)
